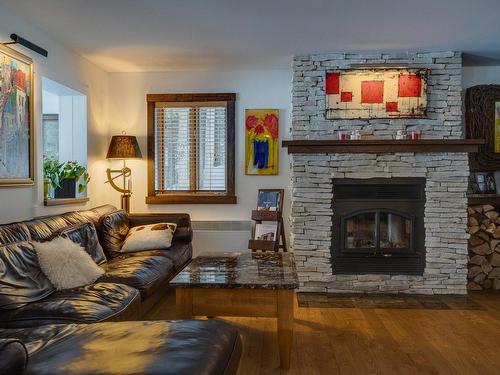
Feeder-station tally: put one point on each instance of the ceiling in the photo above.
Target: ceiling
(162, 35)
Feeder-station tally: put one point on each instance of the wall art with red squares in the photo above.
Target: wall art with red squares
(365, 93)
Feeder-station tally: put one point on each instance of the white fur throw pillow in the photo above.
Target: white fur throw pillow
(66, 264)
(149, 237)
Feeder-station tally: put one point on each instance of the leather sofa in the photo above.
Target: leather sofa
(45, 331)
(132, 283)
(188, 347)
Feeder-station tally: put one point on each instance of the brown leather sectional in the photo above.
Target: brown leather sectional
(67, 332)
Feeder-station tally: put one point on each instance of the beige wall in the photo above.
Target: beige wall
(254, 89)
(69, 69)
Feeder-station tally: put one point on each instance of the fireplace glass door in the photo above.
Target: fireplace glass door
(378, 226)
(360, 231)
(395, 231)
(377, 232)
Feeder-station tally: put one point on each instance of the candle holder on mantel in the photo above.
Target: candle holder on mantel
(123, 147)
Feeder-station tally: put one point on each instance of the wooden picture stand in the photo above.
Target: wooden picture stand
(272, 216)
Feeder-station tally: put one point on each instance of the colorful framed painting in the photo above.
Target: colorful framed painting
(16, 118)
(261, 141)
(497, 127)
(369, 93)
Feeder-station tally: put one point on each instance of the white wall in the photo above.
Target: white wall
(480, 75)
(68, 68)
(50, 103)
(254, 89)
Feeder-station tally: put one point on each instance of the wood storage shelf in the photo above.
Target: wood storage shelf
(484, 247)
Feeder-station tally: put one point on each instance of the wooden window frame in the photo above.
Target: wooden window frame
(176, 197)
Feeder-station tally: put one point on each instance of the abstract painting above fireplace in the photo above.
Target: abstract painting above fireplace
(376, 93)
(378, 226)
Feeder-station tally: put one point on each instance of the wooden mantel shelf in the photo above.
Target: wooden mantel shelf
(379, 146)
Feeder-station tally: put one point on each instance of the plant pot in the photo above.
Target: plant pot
(66, 189)
(46, 189)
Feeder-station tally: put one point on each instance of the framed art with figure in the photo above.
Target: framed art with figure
(261, 141)
(16, 118)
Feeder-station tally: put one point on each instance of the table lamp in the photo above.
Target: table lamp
(123, 147)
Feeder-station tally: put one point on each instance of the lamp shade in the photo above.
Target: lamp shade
(124, 147)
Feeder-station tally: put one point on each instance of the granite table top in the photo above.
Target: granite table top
(269, 270)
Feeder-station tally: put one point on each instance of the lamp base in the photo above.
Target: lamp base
(125, 202)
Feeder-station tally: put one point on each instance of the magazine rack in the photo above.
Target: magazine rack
(270, 216)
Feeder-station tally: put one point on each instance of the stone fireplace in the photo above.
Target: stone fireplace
(378, 226)
(390, 222)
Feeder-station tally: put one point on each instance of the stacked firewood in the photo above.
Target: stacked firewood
(484, 247)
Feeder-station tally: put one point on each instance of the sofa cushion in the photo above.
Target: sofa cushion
(86, 236)
(44, 228)
(149, 237)
(114, 229)
(21, 280)
(179, 253)
(88, 304)
(209, 347)
(94, 214)
(13, 356)
(144, 271)
(66, 264)
(183, 233)
(15, 232)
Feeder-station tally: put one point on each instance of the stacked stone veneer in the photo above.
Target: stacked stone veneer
(446, 175)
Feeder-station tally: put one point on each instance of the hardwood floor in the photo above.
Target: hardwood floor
(454, 339)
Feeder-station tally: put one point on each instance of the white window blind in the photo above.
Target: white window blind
(190, 147)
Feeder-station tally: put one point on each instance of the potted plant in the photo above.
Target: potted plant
(62, 178)
(71, 173)
(51, 167)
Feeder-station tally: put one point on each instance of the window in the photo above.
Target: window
(64, 126)
(50, 128)
(191, 148)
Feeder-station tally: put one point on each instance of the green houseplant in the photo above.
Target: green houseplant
(64, 177)
(51, 167)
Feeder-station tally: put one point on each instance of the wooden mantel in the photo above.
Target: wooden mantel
(379, 146)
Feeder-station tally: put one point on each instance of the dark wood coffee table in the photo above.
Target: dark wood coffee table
(241, 284)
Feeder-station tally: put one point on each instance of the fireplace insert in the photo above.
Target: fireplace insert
(378, 226)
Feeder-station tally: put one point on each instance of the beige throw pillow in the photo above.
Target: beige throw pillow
(149, 237)
(66, 264)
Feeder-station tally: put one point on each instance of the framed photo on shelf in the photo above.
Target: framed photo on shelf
(483, 183)
(266, 231)
(270, 200)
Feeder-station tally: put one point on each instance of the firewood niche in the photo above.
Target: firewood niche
(484, 247)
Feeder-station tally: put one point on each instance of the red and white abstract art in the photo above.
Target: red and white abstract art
(376, 93)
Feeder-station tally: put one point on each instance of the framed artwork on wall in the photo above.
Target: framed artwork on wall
(368, 93)
(497, 127)
(482, 121)
(261, 141)
(16, 118)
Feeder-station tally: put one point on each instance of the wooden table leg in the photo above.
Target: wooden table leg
(183, 303)
(285, 326)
